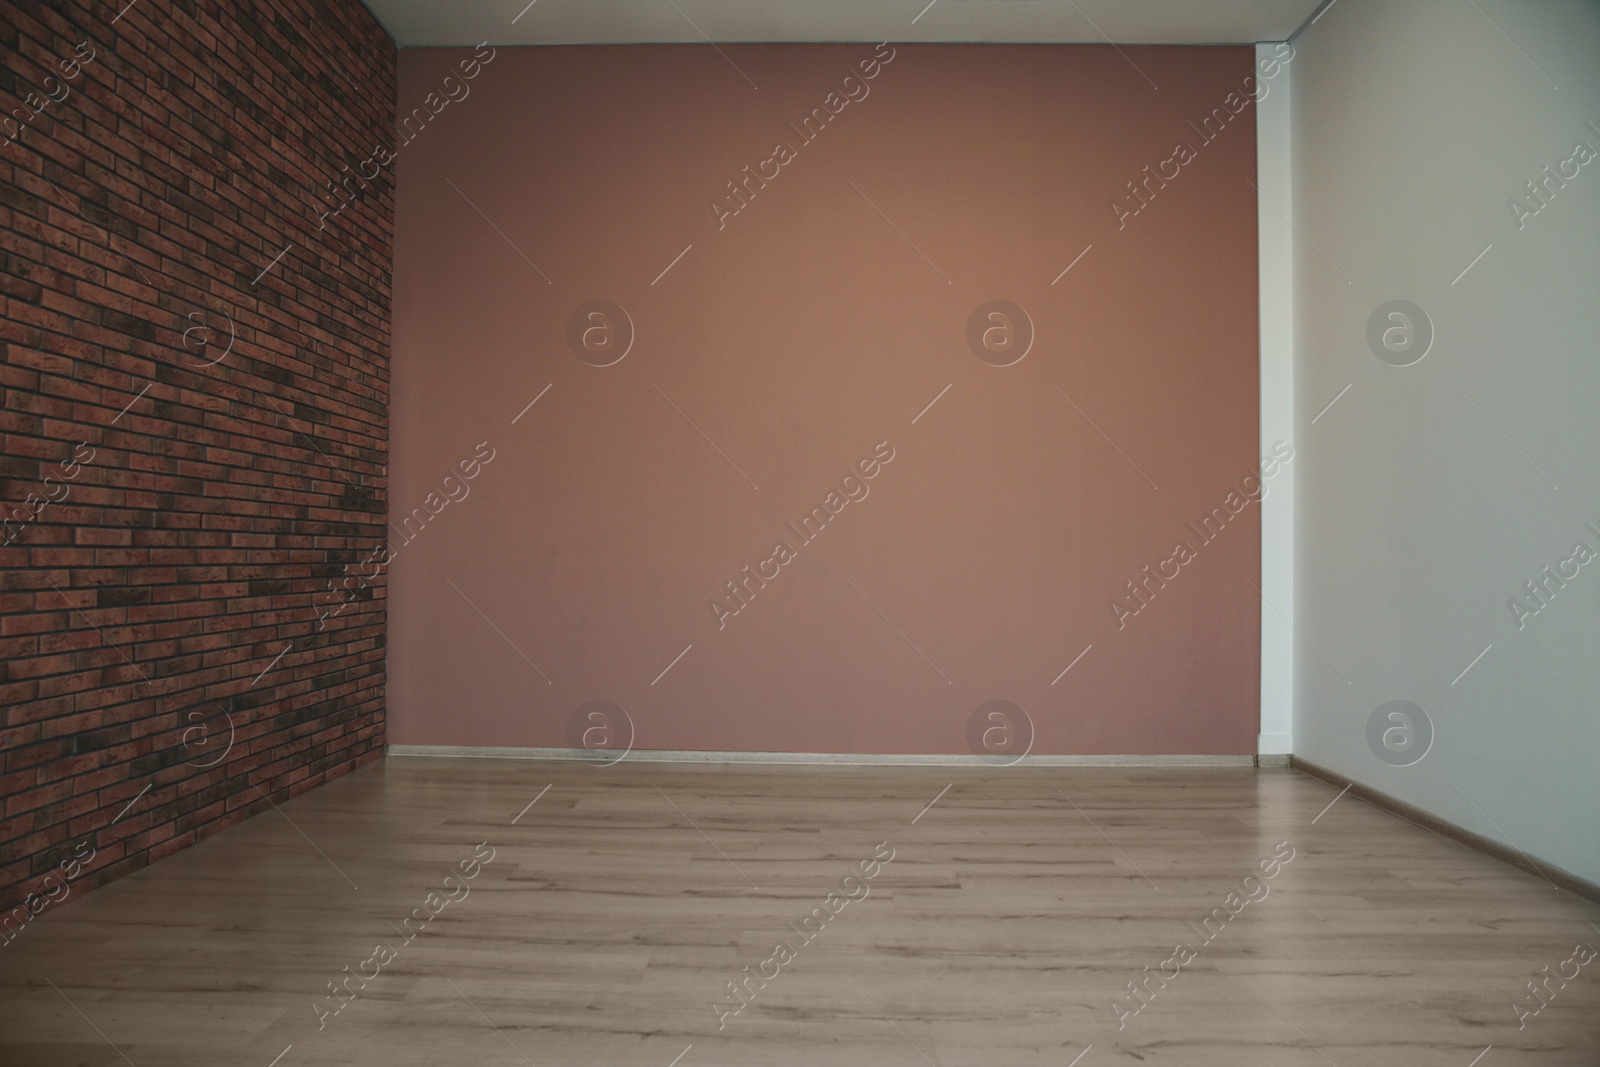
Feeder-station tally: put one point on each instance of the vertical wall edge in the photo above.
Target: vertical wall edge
(1274, 207)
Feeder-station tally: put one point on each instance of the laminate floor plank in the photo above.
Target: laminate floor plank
(604, 922)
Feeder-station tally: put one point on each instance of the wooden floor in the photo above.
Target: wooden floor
(615, 910)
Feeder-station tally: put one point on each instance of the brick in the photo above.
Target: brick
(200, 537)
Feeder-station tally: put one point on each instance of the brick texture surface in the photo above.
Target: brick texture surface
(194, 356)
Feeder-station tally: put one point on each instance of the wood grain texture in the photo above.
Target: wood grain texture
(615, 908)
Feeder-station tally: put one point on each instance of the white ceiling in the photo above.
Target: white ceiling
(419, 23)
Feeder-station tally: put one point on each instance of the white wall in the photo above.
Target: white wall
(1275, 234)
(1419, 515)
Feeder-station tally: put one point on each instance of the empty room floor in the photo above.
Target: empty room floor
(505, 912)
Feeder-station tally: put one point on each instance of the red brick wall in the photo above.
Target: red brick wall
(186, 624)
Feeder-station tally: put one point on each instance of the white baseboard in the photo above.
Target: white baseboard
(836, 759)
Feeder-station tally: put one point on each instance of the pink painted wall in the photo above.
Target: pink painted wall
(784, 347)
